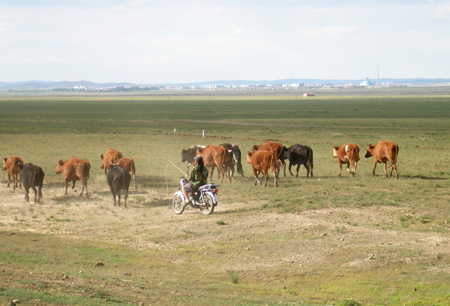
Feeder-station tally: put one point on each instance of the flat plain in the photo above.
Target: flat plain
(325, 240)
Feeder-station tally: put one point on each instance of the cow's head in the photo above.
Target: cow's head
(249, 157)
(369, 152)
(5, 159)
(183, 155)
(335, 151)
(101, 161)
(59, 166)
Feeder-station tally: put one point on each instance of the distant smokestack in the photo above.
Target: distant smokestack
(378, 76)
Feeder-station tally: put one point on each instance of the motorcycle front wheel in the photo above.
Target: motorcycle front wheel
(178, 204)
(208, 206)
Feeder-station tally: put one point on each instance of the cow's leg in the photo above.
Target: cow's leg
(20, 180)
(307, 169)
(348, 167)
(27, 198)
(125, 196)
(118, 195)
(84, 189)
(35, 194)
(395, 167)
(66, 185)
(374, 166)
(113, 192)
(73, 185)
(284, 167)
(340, 167)
(39, 193)
(9, 179)
(211, 172)
(275, 176)
(266, 176)
(290, 166)
(298, 168)
(256, 174)
(384, 167)
(14, 181)
(222, 173)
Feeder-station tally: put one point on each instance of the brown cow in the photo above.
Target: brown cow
(74, 169)
(262, 161)
(277, 148)
(216, 156)
(127, 164)
(347, 154)
(11, 165)
(110, 156)
(383, 152)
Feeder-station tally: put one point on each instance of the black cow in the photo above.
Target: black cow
(32, 176)
(119, 178)
(188, 155)
(235, 158)
(299, 155)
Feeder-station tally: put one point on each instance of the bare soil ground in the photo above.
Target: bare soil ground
(254, 239)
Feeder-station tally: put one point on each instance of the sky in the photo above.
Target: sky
(183, 41)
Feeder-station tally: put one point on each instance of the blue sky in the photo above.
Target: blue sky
(179, 41)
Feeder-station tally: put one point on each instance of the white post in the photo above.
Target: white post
(203, 133)
(174, 130)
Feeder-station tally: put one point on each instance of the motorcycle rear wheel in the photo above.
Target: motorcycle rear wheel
(208, 207)
(178, 204)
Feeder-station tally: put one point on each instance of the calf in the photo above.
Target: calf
(74, 169)
(119, 178)
(383, 152)
(300, 155)
(262, 161)
(110, 156)
(11, 165)
(277, 148)
(347, 154)
(32, 176)
(127, 164)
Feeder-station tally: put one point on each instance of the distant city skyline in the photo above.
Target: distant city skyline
(188, 41)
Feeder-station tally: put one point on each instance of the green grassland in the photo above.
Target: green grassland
(43, 130)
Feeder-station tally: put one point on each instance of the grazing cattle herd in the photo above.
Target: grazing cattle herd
(225, 157)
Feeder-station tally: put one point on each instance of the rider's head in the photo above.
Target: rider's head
(199, 160)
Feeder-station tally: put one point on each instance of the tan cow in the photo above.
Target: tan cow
(74, 169)
(383, 152)
(127, 164)
(262, 161)
(216, 156)
(347, 154)
(11, 165)
(278, 148)
(110, 156)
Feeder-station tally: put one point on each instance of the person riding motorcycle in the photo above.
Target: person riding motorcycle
(198, 177)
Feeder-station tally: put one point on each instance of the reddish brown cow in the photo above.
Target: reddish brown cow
(277, 148)
(110, 156)
(262, 161)
(127, 164)
(74, 169)
(11, 165)
(383, 152)
(347, 154)
(216, 156)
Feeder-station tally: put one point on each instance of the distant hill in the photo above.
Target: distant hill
(48, 85)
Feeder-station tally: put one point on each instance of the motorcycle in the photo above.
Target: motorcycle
(203, 199)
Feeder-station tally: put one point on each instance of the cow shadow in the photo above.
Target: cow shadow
(158, 203)
(74, 198)
(422, 177)
(153, 181)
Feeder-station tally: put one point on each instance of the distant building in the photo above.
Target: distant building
(309, 94)
(366, 82)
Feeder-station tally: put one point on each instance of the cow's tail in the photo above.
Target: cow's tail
(394, 153)
(310, 159)
(84, 169)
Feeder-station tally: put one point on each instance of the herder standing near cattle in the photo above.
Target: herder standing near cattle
(198, 177)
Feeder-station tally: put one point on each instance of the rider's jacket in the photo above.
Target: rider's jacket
(197, 177)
